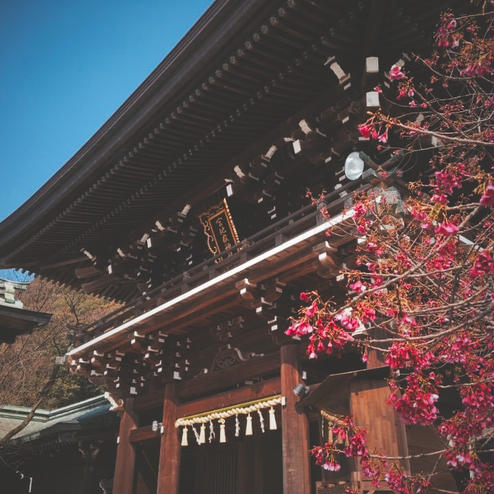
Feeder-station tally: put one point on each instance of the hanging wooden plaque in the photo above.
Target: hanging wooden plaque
(219, 228)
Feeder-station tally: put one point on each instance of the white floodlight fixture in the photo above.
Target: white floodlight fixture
(354, 166)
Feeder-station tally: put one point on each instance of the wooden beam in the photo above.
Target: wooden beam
(214, 302)
(215, 381)
(229, 398)
(187, 322)
(87, 272)
(332, 393)
(123, 480)
(67, 262)
(295, 427)
(209, 383)
(143, 434)
(169, 463)
(101, 282)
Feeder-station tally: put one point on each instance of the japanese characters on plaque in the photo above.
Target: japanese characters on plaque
(219, 228)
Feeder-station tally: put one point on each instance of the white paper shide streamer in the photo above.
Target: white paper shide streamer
(197, 423)
(331, 421)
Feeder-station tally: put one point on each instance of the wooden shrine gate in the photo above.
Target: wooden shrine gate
(275, 462)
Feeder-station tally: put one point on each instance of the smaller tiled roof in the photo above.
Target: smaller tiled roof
(74, 417)
(14, 319)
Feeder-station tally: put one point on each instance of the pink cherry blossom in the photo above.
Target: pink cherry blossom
(487, 198)
(446, 228)
(395, 73)
(358, 286)
(365, 130)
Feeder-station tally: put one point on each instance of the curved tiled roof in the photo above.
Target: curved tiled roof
(72, 417)
(242, 69)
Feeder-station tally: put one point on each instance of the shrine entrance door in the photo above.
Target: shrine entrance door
(241, 466)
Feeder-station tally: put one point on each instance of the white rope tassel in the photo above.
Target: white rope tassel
(272, 420)
(222, 431)
(248, 426)
(212, 435)
(202, 435)
(185, 441)
(237, 426)
(261, 420)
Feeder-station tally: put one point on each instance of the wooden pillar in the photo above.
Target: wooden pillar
(123, 479)
(295, 427)
(169, 466)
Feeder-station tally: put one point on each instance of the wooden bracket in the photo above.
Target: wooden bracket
(248, 292)
(327, 264)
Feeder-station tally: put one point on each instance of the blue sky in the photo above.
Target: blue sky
(65, 67)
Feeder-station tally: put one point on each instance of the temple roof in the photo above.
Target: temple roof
(14, 319)
(213, 102)
(45, 423)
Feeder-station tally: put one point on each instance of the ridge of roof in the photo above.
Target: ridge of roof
(42, 415)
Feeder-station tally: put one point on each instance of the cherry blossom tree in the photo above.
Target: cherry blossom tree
(420, 296)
